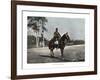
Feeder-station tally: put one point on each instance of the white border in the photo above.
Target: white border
(88, 65)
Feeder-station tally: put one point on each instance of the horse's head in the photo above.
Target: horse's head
(67, 36)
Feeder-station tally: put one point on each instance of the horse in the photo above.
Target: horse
(61, 44)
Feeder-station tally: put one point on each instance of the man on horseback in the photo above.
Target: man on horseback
(56, 37)
(62, 40)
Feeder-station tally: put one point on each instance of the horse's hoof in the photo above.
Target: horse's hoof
(63, 58)
(51, 56)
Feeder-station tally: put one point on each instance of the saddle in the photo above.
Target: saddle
(56, 44)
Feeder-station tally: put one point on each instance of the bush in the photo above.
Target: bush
(76, 42)
(31, 41)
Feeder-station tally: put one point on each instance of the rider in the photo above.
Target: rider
(57, 35)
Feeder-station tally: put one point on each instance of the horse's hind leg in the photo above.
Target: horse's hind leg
(51, 53)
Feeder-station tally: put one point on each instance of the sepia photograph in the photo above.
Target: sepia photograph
(55, 39)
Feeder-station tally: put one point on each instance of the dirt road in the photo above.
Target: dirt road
(73, 53)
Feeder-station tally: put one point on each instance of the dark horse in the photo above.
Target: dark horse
(61, 44)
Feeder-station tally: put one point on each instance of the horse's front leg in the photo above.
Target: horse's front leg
(62, 53)
(62, 50)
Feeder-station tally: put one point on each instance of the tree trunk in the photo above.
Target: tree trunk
(43, 34)
(37, 40)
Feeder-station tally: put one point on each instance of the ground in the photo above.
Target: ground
(74, 53)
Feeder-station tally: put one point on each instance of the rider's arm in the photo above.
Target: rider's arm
(59, 35)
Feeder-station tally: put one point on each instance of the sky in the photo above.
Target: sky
(74, 26)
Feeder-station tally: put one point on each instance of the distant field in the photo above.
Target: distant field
(75, 53)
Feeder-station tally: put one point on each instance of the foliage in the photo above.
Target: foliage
(76, 42)
(35, 21)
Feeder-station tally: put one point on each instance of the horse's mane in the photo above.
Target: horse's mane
(63, 37)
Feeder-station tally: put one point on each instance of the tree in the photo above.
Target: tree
(42, 21)
(36, 23)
